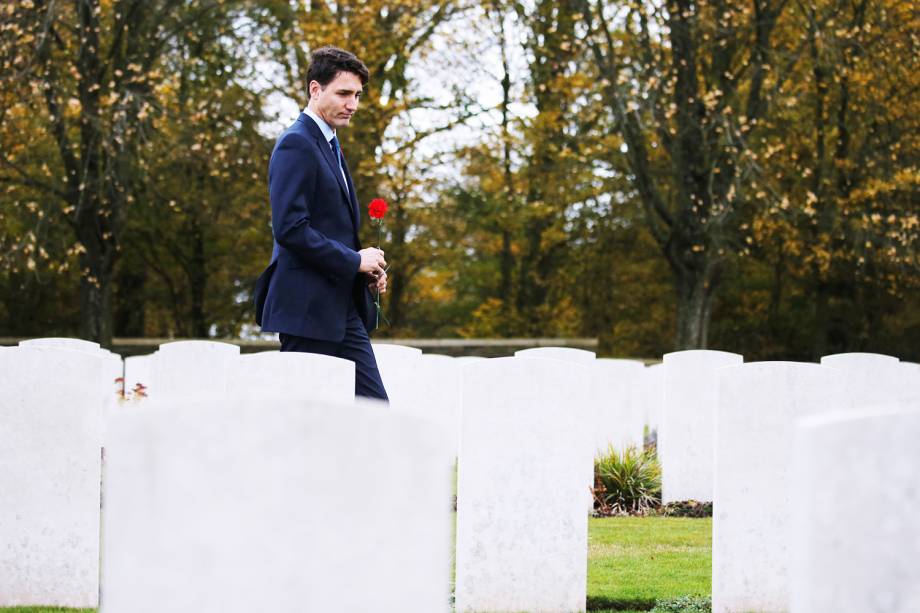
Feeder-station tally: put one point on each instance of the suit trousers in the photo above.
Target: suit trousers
(356, 346)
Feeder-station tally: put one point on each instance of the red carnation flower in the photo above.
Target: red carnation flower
(377, 208)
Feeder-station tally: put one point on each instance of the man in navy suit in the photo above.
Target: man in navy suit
(316, 292)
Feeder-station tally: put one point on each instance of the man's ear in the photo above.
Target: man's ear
(314, 88)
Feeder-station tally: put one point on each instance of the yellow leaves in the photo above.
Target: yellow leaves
(711, 99)
(76, 249)
(773, 150)
(74, 108)
(822, 258)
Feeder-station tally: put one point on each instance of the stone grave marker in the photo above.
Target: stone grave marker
(525, 447)
(685, 438)
(755, 420)
(51, 410)
(855, 533)
(225, 505)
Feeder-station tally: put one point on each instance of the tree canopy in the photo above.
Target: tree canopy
(667, 174)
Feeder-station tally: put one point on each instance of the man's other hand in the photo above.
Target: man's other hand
(372, 262)
(379, 284)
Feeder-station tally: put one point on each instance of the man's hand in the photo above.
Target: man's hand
(372, 262)
(379, 284)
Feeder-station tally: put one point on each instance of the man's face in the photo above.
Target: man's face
(338, 101)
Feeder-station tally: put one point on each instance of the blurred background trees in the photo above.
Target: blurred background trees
(661, 175)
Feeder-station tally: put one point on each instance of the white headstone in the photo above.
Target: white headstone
(856, 534)
(872, 378)
(594, 399)
(51, 408)
(186, 370)
(619, 418)
(521, 520)
(433, 393)
(294, 377)
(226, 507)
(398, 370)
(568, 354)
(758, 405)
(685, 439)
(113, 367)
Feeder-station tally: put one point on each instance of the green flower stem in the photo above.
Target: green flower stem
(377, 297)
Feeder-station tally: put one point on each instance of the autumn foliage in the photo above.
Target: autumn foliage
(666, 174)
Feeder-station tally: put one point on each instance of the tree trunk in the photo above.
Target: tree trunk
(128, 309)
(695, 291)
(821, 311)
(507, 269)
(96, 292)
(198, 281)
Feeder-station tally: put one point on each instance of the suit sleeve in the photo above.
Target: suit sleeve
(292, 177)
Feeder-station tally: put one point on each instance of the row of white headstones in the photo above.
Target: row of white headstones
(256, 482)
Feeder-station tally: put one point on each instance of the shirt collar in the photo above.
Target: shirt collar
(325, 128)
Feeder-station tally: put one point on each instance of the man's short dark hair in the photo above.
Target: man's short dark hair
(327, 62)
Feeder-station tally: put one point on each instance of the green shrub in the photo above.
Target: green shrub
(627, 482)
(684, 604)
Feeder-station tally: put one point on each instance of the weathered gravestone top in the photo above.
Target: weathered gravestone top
(568, 354)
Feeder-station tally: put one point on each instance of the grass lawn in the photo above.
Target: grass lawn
(632, 561)
(43, 610)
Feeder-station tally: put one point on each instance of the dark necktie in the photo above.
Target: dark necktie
(338, 158)
(338, 155)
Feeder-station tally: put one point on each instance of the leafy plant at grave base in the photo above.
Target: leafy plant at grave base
(686, 508)
(627, 482)
(684, 604)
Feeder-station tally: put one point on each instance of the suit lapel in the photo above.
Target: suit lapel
(352, 197)
(330, 159)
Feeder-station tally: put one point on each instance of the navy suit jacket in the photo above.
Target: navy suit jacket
(313, 274)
